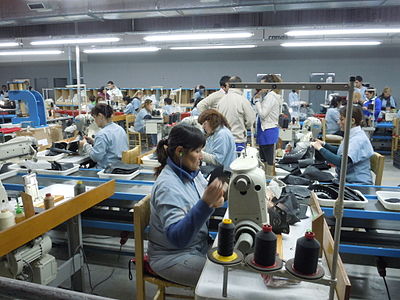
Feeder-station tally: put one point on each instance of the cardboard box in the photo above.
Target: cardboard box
(45, 135)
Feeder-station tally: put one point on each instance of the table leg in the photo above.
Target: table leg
(74, 229)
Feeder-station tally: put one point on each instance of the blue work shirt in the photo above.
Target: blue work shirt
(360, 152)
(378, 107)
(361, 91)
(109, 144)
(174, 193)
(139, 121)
(388, 102)
(222, 145)
(168, 110)
(332, 117)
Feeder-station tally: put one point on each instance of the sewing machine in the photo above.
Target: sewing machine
(17, 149)
(247, 203)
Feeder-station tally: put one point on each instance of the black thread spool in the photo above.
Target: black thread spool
(307, 252)
(265, 247)
(226, 237)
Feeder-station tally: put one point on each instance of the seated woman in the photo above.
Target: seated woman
(332, 117)
(181, 204)
(360, 150)
(110, 141)
(220, 146)
(144, 114)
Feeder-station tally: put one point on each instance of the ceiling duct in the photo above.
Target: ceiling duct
(37, 6)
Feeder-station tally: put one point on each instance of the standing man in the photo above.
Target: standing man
(239, 113)
(294, 103)
(359, 87)
(373, 106)
(211, 101)
(114, 94)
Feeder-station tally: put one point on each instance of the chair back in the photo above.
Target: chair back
(131, 156)
(141, 219)
(377, 165)
(129, 120)
(323, 124)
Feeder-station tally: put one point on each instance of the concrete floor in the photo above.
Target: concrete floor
(366, 282)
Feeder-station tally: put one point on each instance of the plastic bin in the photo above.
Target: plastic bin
(103, 175)
(347, 203)
(383, 196)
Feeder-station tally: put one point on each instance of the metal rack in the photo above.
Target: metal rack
(339, 205)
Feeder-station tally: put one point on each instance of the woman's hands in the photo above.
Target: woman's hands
(214, 194)
(318, 144)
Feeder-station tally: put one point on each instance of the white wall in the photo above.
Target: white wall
(378, 65)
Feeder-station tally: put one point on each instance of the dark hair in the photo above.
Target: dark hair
(357, 114)
(110, 82)
(294, 91)
(92, 98)
(235, 79)
(336, 100)
(359, 78)
(197, 102)
(127, 99)
(104, 109)
(214, 118)
(3, 86)
(101, 89)
(224, 80)
(187, 136)
(168, 101)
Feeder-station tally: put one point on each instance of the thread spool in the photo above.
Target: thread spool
(48, 201)
(306, 256)
(7, 219)
(226, 237)
(265, 247)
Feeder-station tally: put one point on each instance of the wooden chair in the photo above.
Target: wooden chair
(332, 139)
(131, 156)
(141, 218)
(134, 137)
(377, 165)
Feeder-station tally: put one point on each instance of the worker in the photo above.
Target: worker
(360, 150)
(332, 116)
(211, 101)
(199, 93)
(387, 99)
(220, 145)
(373, 105)
(294, 103)
(110, 141)
(357, 99)
(114, 93)
(180, 206)
(137, 100)
(239, 113)
(129, 107)
(144, 114)
(268, 104)
(168, 108)
(359, 87)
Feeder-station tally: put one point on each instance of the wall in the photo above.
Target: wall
(378, 65)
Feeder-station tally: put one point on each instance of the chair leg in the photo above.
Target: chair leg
(160, 295)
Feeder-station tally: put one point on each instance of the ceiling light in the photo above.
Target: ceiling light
(213, 47)
(31, 52)
(122, 50)
(197, 36)
(330, 44)
(76, 41)
(342, 31)
(9, 44)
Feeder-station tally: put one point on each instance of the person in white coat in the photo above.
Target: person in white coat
(211, 101)
(239, 113)
(268, 104)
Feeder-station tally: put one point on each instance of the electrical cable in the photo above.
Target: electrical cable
(387, 288)
(30, 267)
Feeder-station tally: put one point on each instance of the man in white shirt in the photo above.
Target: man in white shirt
(238, 112)
(211, 101)
(114, 94)
(358, 87)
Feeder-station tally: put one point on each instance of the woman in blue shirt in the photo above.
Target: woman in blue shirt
(110, 141)
(332, 116)
(360, 150)
(132, 105)
(181, 204)
(220, 145)
(144, 114)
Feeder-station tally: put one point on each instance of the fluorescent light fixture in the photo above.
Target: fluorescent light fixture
(76, 41)
(330, 44)
(197, 36)
(31, 52)
(213, 47)
(122, 50)
(9, 44)
(342, 31)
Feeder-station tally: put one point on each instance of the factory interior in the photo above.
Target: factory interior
(209, 149)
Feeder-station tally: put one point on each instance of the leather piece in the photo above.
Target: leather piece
(296, 180)
(314, 173)
(121, 168)
(303, 163)
(293, 156)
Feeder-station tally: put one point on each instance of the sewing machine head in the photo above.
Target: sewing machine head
(247, 204)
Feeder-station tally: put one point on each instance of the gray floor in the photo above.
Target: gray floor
(366, 282)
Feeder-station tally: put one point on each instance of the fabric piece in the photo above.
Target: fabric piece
(314, 173)
(303, 163)
(288, 167)
(293, 156)
(296, 180)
